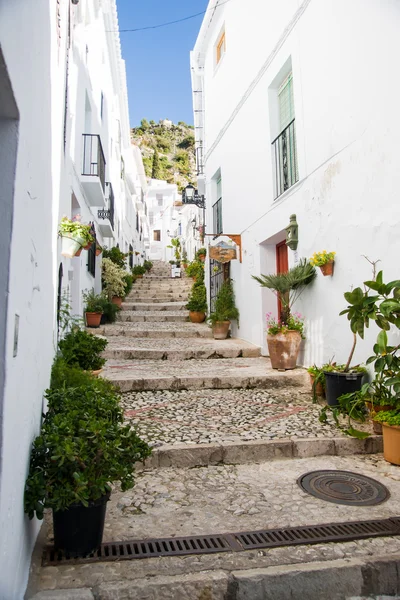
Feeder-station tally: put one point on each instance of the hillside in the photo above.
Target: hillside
(167, 150)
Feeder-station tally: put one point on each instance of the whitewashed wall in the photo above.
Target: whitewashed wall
(343, 57)
(31, 65)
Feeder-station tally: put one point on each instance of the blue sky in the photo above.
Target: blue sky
(157, 61)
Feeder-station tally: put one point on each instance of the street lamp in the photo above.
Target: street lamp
(191, 196)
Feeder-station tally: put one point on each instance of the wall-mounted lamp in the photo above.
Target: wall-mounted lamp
(75, 1)
(292, 233)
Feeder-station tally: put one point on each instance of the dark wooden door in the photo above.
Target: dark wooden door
(282, 266)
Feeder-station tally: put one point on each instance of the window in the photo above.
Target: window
(101, 106)
(157, 235)
(284, 145)
(160, 199)
(221, 46)
(91, 256)
(217, 209)
(130, 256)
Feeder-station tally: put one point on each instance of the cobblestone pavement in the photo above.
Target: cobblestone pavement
(219, 416)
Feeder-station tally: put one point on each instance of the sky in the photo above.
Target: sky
(157, 60)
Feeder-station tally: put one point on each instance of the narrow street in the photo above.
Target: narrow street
(230, 439)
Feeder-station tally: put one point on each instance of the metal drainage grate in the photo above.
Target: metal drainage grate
(344, 487)
(230, 542)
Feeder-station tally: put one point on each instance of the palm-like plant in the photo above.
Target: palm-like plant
(288, 286)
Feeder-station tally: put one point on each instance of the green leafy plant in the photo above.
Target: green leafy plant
(116, 256)
(93, 302)
(75, 228)
(176, 245)
(83, 447)
(64, 375)
(82, 349)
(148, 265)
(138, 270)
(197, 301)
(295, 322)
(195, 269)
(110, 310)
(289, 286)
(67, 321)
(201, 252)
(129, 279)
(113, 279)
(155, 168)
(225, 307)
(319, 259)
(318, 378)
(389, 417)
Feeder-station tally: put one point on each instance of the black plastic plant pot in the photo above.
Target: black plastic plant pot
(78, 530)
(338, 384)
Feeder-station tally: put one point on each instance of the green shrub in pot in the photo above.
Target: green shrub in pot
(82, 349)
(113, 279)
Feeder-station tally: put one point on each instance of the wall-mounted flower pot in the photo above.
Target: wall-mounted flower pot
(93, 319)
(98, 250)
(70, 245)
(220, 330)
(327, 269)
(79, 251)
(202, 257)
(88, 246)
(284, 349)
(337, 384)
(196, 316)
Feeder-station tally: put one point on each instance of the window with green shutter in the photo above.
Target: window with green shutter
(284, 146)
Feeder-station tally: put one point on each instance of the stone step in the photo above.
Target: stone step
(178, 350)
(157, 299)
(132, 316)
(225, 373)
(155, 330)
(221, 498)
(142, 306)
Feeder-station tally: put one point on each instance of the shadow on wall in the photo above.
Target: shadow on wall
(9, 121)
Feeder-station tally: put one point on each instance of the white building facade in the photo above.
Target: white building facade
(64, 150)
(294, 115)
(169, 218)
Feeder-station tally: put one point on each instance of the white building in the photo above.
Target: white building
(299, 118)
(169, 218)
(64, 149)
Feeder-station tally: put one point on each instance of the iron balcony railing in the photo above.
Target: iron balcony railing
(109, 212)
(285, 159)
(217, 217)
(94, 163)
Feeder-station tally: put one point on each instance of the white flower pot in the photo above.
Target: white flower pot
(70, 245)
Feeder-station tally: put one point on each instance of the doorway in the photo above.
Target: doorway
(282, 266)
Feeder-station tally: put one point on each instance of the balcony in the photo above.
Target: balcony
(105, 216)
(284, 154)
(93, 170)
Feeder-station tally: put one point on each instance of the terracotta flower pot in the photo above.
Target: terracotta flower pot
(79, 251)
(220, 330)
(284, 349)
(88, 246)
(327, 269)
(197, 317)
(391, 443)
(99, 251)
(376, 426)
(117, 300)
(202, 257)
(319, 388)
(93, 319)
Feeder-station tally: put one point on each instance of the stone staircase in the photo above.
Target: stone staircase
(175, 377)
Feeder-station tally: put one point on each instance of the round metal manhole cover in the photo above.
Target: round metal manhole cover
(344, 487)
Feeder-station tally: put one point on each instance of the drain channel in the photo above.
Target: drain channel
(229, 542)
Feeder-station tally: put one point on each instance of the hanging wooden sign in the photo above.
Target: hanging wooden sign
(222, 252)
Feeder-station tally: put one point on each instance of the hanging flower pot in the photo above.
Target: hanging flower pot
(70, 245)
(79, 251)
(99, 250)
(88, 246)
(327, 269)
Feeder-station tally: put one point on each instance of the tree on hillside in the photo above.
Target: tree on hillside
(156, 170)
(144, 124)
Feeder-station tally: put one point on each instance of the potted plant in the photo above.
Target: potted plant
(113, 279)
(285, 334)
(93, 308)
(224, 312)
(390, 421)
(197, 303)
(324, 260)
(82, 349)
(317, 378)
(83, 447)
(74, 235)
(99, 249)
(195, 269)
(138, 271)
(116, 256)
(148, 265)
(201, 254)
